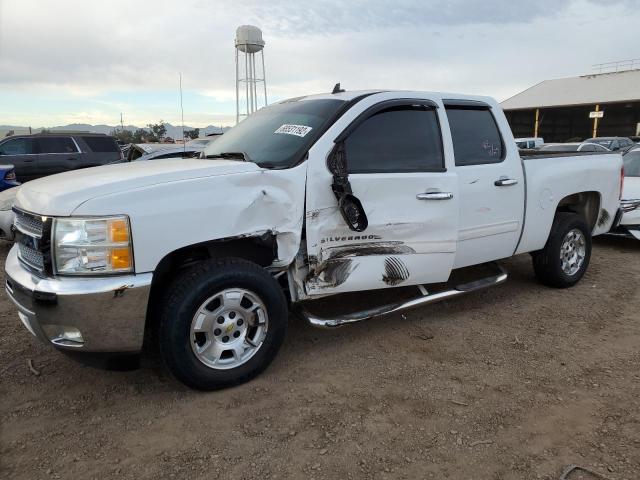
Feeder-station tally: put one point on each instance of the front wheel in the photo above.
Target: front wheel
(564, 259)
(222, 323)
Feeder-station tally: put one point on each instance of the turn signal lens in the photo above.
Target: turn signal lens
(120, 259)
(119, 230)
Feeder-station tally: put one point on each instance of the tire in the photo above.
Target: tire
(191, 335)
(568, 231)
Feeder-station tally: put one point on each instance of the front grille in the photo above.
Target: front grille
(31, 257)
(29, 224)
(33, 237)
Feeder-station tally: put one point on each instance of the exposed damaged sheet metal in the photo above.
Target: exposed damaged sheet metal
(363, 249)
(360, 273)
(395, 271)
(340, 263)
(335, 272)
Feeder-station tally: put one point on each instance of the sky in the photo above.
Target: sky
(83, 61)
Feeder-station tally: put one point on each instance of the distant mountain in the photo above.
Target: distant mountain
(173, 131)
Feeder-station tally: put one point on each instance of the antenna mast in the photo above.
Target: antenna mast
(184, 144)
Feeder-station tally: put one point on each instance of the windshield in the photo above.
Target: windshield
(632, 164)
(277, 136)
(603, 142)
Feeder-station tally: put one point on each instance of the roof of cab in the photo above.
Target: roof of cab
(351, 95)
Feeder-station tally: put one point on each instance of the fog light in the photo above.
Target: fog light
(63, 335)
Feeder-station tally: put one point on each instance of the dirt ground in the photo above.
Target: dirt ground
(515, 382)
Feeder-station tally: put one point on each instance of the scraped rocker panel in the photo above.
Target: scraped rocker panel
(356, 273)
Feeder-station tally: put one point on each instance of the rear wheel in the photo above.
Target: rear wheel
(565, 258)
(222, 324)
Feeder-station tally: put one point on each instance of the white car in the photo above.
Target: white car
(574, 147)
(159, 151)
(630, 223)
(7, 198)
(304, 199)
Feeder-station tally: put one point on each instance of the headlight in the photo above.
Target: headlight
(89, 246)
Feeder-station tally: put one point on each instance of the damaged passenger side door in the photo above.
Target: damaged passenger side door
(393, 218)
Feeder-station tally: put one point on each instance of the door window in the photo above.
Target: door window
(101, 144)
(17, 146)
(475, 134)
(398, 139)
(57, 145)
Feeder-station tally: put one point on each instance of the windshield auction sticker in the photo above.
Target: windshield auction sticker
(297, 130)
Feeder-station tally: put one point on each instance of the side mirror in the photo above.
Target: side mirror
(349, 205)
(353, 213)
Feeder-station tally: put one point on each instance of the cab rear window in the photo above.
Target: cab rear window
(475, 134)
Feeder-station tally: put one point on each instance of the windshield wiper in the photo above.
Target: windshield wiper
(231, 155)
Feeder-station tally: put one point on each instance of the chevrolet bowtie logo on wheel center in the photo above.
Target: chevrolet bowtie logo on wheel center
(229, 328)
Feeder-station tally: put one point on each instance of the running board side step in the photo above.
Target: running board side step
(424, 299)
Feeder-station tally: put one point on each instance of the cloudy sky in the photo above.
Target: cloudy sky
(68, 61)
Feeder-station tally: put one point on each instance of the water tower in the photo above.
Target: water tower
(249, 41)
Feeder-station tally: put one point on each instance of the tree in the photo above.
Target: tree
(141, 136)
(125, 136)
(158, 131)
(192, 134)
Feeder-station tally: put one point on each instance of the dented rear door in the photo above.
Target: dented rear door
(397, 162)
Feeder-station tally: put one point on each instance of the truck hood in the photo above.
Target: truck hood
(60, 195)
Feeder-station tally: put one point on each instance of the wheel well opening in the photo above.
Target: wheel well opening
(262, 249)
(586, 204)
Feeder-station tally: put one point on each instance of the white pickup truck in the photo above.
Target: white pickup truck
(308, 198)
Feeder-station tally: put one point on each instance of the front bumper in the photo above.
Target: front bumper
(105, 314)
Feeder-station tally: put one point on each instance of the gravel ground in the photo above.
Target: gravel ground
(515, 382)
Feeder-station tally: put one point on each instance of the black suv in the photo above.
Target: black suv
(35, 156)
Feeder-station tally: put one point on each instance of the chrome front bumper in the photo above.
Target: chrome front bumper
(105, 314)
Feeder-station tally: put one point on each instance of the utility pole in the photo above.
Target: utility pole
(595, 122)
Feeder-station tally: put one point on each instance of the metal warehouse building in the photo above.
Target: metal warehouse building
(604, 104)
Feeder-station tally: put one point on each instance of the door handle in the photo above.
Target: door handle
(435, 196)
(505, 182)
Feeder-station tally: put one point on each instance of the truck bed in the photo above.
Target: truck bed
(552, 180)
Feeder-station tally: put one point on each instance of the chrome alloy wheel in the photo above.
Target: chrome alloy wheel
(229, 328)
(572, 252)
